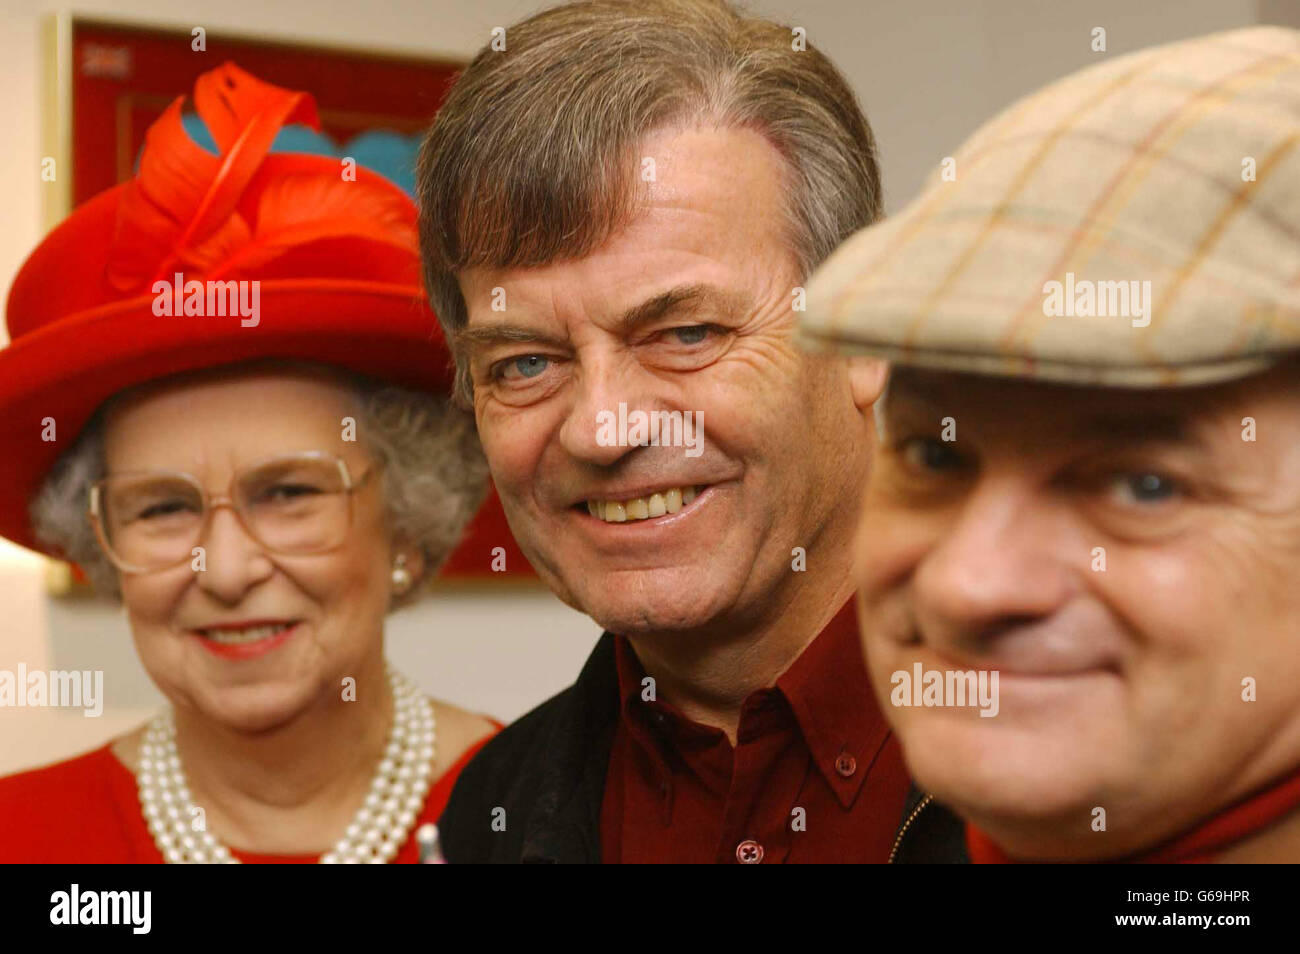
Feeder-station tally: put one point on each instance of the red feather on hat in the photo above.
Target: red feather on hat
(190, 209)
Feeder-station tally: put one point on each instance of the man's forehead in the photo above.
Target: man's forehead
(691, 298)
(710, 206)
(1063, 410)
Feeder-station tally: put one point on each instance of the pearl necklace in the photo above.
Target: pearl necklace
(378, 829)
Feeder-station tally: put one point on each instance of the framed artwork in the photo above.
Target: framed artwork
(106, 82)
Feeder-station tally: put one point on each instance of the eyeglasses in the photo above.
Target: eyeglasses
(148, 521)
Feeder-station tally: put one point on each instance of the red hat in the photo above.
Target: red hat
(335, 256)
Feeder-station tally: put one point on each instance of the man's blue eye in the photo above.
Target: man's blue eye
(1148, 488)
(531, 365)
(692, 334)
(929, 454)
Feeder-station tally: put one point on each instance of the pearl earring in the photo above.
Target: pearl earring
(401, 575)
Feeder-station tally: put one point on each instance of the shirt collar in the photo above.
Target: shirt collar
(828, 691)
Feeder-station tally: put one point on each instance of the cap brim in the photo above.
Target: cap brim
(1080, 374)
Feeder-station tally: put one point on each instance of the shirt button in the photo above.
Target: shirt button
(749, 852)
(846, 764)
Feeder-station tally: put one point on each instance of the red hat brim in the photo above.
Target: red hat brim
(67, 369)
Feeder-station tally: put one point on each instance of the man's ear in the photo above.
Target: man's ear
(867, 377)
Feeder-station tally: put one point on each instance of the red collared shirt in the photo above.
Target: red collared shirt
(815, 775)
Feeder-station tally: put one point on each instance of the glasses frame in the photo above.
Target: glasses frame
(212, 503)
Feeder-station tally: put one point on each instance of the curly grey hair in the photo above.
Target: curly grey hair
(434, 477)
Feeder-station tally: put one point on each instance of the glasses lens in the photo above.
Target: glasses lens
(151, 520)
(296, 505)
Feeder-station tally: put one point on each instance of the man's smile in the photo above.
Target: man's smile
(682, 516)
(619, 508)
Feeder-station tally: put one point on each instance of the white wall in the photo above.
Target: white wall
(928, 72)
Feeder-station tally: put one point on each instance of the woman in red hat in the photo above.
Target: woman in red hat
(226, 399)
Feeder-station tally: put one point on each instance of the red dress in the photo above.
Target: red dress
(86, 810)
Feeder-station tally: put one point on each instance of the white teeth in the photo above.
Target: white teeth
(250, 635)
(642, 508)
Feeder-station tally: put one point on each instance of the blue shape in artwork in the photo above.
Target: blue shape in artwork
(390, 154)
(303, 139)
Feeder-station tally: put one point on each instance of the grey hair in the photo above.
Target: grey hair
(531, 158)
(434, 479)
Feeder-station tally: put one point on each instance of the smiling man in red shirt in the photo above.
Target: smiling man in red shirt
(620, 204)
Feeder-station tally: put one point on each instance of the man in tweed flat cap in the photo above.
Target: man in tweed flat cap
(1085, 513)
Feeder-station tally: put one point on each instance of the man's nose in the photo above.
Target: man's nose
(233, 562)
(606, 392)
(1009, 555)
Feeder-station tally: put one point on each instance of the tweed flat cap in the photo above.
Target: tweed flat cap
(1136, 224)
